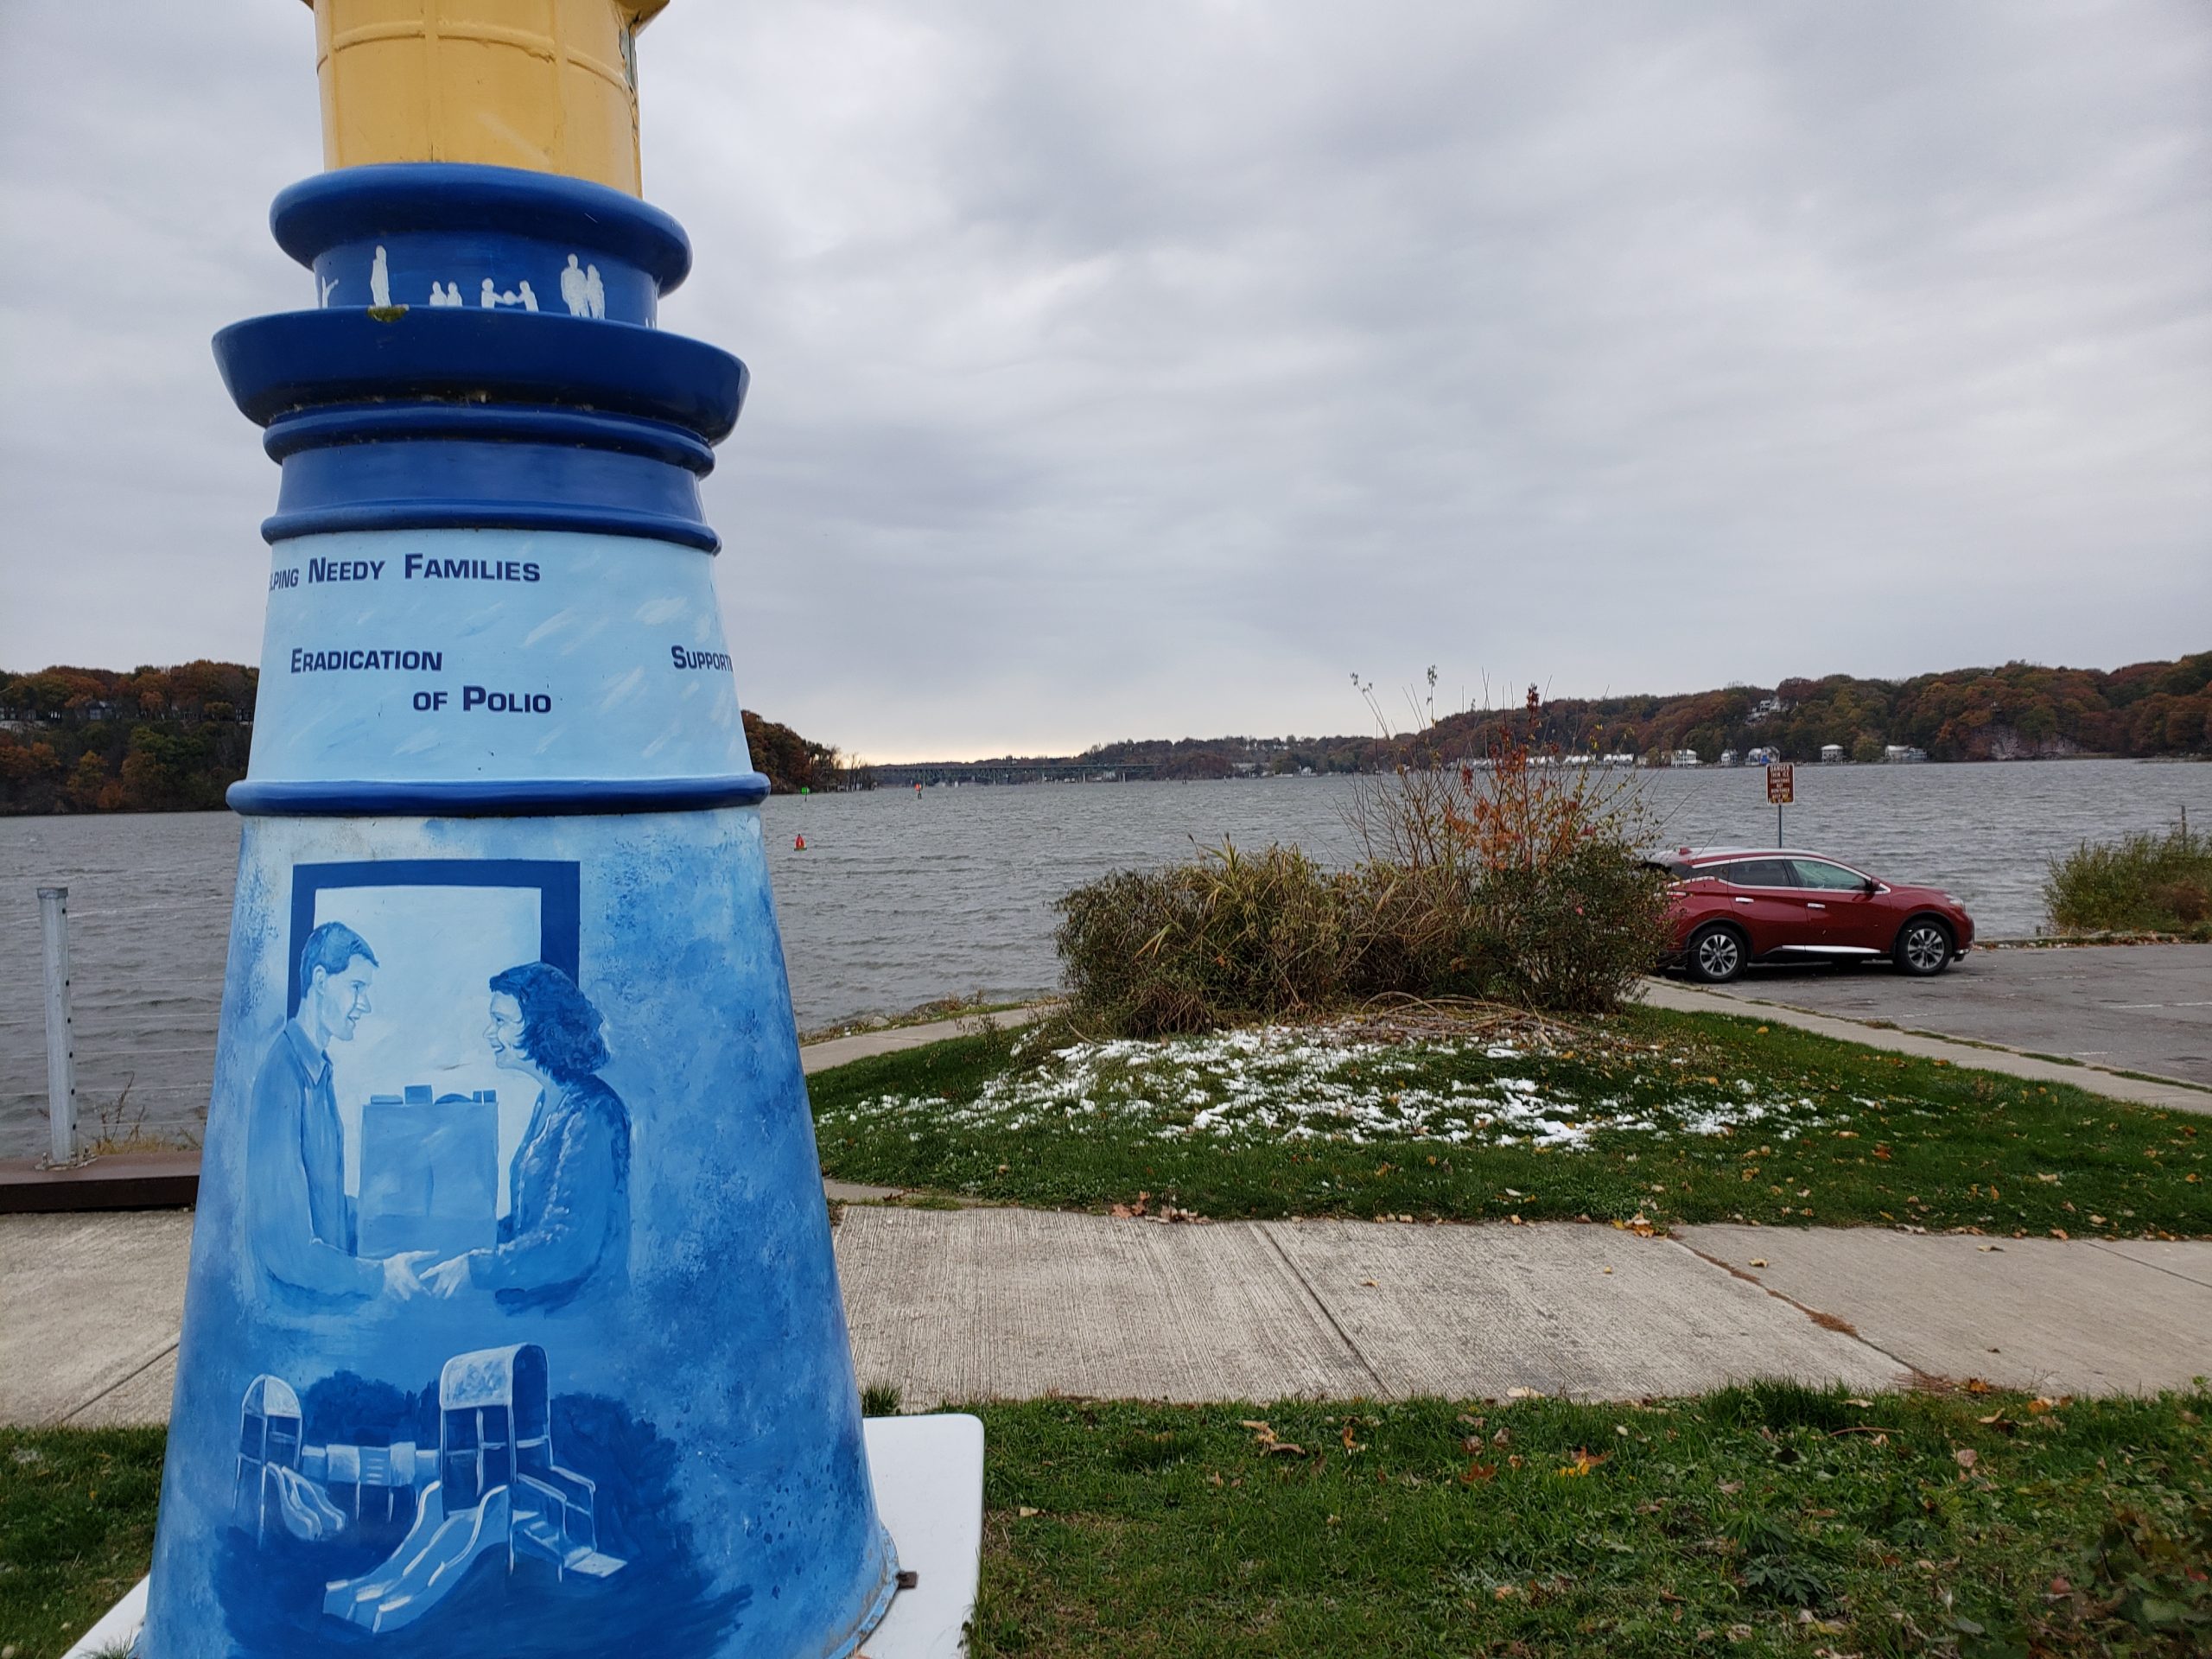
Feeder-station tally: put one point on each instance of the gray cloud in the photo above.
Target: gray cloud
(1144, 369)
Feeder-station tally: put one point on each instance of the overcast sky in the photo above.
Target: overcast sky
(1147, 369)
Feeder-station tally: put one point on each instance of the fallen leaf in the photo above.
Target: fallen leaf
(1966, 1457)
(1523, 1394)
(1585, 1460)
(1025, 1511)
(1758, 1261)
(1858, 1403)
(1475, 1473)
(1975, 1385)
(1731, 1487)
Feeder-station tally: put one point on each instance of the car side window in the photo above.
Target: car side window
(1819, 873)
(1761, 873)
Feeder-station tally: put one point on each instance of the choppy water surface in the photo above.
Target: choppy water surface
(901, 898)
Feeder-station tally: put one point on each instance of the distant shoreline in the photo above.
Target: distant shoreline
(953, 780)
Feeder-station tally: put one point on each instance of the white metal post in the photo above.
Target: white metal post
(61, 1052)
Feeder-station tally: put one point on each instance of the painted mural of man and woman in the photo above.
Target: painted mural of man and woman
(567, 1187)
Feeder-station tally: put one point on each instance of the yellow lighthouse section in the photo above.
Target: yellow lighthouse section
(547, 85)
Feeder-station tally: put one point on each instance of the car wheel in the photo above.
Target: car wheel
(1923, 948)
(1715, 956)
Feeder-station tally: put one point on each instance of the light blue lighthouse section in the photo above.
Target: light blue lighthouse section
(451, 655)
(512, 1324)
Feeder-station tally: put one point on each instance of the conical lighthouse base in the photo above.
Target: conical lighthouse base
(512, 1325)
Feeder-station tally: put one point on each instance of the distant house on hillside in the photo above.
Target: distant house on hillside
(1903, 753)
(1831, 754)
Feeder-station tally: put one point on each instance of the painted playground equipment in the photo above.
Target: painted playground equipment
(490, 1484)
(512, 1323)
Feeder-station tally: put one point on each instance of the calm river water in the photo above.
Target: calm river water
(902, 898)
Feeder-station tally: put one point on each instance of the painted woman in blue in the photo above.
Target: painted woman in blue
(569, 1188)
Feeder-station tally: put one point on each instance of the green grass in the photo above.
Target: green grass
(1766, 1520)
(1848, 1135)
(76, 1529)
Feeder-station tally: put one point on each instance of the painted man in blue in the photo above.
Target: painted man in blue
(569, 1188)
(304, 1223)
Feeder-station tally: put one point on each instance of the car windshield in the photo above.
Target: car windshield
(1758, 872)
(1819, 873)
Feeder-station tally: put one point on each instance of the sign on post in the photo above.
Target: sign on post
(1781, 777)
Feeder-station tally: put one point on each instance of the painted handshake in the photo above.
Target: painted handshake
(406, 1277)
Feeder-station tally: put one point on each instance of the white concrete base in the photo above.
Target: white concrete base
(929, 1491)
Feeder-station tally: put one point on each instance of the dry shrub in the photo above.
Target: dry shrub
(1231, 936)
(1516, 881)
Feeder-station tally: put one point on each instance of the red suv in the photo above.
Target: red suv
(1733, 906)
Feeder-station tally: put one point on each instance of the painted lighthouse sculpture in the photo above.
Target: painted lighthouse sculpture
(512, 1325)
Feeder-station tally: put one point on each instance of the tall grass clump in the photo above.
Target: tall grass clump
(2142, 883)
(1228, 937)
(1515, 879)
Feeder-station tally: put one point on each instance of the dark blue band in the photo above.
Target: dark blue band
(460, 200)
(296, 361)
(514, 798)
(460, 466)
(288, 434)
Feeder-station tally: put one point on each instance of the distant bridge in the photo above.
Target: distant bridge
(905, 776)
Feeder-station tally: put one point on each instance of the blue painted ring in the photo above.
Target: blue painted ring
(354, 203)
(312, 429)
(294, 360)
(487, 798)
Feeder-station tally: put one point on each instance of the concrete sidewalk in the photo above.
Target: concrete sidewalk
(975, 1304)
(1745, 1001)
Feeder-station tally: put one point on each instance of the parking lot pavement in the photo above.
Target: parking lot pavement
(2125, 1008)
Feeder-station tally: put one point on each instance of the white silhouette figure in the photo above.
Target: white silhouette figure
(327, 287)
(595, 291)
(575, 289)
(379, 280)
(445, 294)
(490, 299)
(529, 299)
